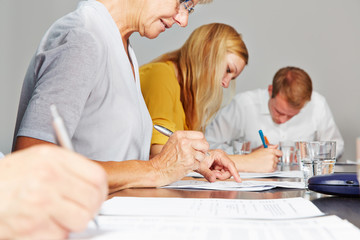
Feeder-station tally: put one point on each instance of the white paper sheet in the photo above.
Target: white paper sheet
(234, 186)
(246, 175)
(174, 228)
(284, 208)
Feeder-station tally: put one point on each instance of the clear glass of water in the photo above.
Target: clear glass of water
(241, 146)
(324, 154)
(307, 165)
(316, 158)
(288, 149)
(288, 157)
(310, 168)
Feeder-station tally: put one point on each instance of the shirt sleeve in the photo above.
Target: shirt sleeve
(65, 70)
(159, 88)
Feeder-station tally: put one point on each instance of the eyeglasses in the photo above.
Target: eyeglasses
(187, 5)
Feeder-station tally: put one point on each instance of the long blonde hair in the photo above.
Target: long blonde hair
(201, 63)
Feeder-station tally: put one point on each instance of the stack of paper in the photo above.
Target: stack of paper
(174, 228)
(214, 219)
(234, 186)
(245, 185)
(246, 175)
(211, 207)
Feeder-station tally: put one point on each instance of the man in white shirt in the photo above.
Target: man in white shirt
(289, 110)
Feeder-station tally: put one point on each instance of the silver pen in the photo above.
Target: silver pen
(63, 136)
(60, 130)
(163, 130)
(168, 133)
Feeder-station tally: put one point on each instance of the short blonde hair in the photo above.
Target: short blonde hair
(201, 63)
(294, 84)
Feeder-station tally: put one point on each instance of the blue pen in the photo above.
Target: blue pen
(262, 138)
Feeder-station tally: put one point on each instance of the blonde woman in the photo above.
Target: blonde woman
(183, 89)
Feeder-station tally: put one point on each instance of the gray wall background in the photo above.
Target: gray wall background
(320, 36)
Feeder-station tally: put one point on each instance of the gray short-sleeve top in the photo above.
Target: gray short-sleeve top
(81, 66)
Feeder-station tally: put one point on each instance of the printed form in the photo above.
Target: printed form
(235, 186)
(246, 175)
(284, 208)
(215, 219)
(174, 228)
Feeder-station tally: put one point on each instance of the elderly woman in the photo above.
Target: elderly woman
(183, 89)
(86, 66)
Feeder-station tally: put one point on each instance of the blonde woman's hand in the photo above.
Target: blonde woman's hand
(260, 160)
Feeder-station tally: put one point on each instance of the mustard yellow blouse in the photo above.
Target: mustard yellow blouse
(161, 91)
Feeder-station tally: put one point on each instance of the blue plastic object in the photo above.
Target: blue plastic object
(344, 184)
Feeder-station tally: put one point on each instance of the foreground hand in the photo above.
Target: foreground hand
(182, 154)
(261, 160)
(47, 192)
(218, 166)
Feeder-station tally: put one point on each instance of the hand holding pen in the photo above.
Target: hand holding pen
(181, 154)
(274, 155)
(168, 133)
(215, 166)
(63, 136)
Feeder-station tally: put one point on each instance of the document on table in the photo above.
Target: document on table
(246, 175)
(175, 228)
(234, 186)
(284, 208)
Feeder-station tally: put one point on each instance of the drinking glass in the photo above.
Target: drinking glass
(241, 146)
(307, 165)
(324, 153)
(316, 158)
(288, 157)
(288, 149)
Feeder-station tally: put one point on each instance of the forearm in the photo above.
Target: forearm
(23, 142)
(131, 174)
(176, 159)
(241, 162)
(261, 160)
